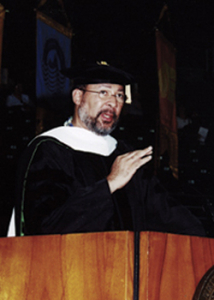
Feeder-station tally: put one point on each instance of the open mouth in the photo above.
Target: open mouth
(107, 117)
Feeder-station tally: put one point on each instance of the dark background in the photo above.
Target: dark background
(123, 34)
(120, 32)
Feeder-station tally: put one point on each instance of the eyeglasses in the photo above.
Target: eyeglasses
(105, 94)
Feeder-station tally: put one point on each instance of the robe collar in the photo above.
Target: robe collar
(83, 140)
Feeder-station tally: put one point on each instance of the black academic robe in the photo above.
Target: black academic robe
(61, 190)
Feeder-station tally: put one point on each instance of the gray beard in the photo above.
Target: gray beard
(93, 124)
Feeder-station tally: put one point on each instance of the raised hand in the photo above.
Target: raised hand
(125, 166)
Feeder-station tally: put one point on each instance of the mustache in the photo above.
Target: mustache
(107, 111)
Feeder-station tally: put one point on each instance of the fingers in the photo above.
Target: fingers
(144, 160)
(137, 162)
(126, 165)
(138, 154)
(144, 152)
(132, 161)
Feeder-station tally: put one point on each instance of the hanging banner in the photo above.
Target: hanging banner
(53, 55)
(2, 15)
(166, 62)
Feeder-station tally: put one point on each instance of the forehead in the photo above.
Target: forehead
(97, 86)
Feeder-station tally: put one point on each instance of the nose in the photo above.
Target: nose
(112, 101)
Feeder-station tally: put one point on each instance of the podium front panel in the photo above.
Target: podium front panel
(101, 266)
(171, 265)
(77, 266)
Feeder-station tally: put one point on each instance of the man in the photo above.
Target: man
(77, 178)
(18, 99)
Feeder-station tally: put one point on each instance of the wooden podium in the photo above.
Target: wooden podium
(100, 266)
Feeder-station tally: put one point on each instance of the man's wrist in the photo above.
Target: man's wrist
(112, 185)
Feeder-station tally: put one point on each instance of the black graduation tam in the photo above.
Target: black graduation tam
(99, 72)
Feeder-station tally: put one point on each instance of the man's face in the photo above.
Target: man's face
(98, 114)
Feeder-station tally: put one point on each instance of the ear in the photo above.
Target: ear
(77, 96)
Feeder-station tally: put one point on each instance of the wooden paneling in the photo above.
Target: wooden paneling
(79, 266)
(143, 284)
(175, 265)
(102, 268)
(30, 268)
(99, 266)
